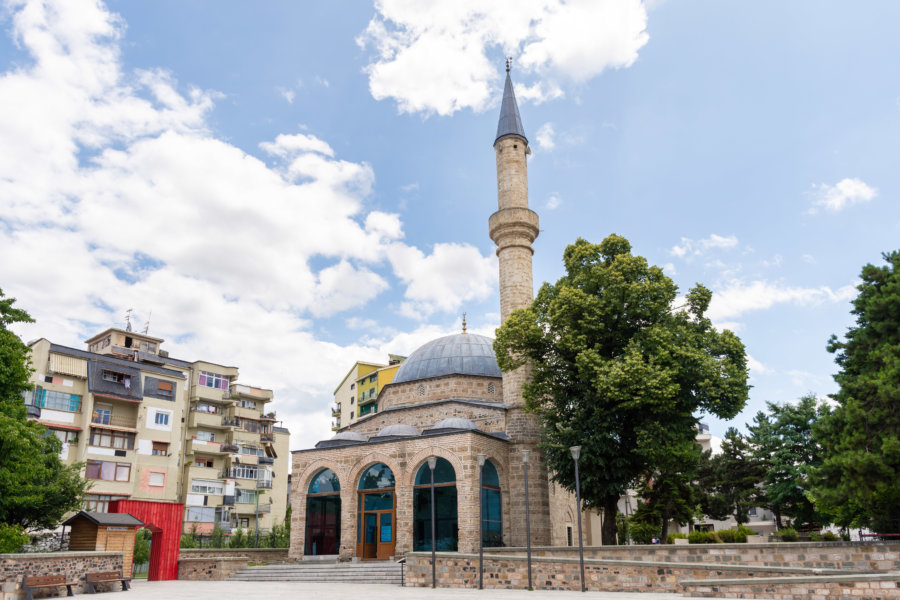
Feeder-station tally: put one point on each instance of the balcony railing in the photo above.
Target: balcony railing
(336, 410)
(114, 421)
(265, 508)
(231, 422)
(229, 448)
(265, 460)
(266, 436)
(264, 484)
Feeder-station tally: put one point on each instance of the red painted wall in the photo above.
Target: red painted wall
(164, 520)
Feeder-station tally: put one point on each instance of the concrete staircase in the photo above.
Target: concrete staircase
(324, 571)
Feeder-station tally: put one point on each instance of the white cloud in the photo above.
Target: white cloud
(553, 202)
(287, 95)
(544, 137)
(436, 60)
(756, 367)
(846, 192)
(739, 297)
(444, 280)
(670, 268)
(691, 247)
(114, 193)
(809, 259)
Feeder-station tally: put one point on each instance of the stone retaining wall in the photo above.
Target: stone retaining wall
(213, 568)
(73, 565)
(849, 556)
(266, 555)
(507, 571)
(857, 587)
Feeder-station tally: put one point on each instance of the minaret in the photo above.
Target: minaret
(513, 228)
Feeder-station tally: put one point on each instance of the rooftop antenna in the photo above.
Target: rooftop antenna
(147, 324)
(464, 323)
(128, 319)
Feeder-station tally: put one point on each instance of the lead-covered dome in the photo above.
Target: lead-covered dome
(458, 354)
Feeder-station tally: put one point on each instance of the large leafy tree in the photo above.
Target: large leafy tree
(36, 488)
(782, 439)
(731, 480)
(858, 482)
(613, 364)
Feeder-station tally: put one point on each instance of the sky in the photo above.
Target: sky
(289, 187)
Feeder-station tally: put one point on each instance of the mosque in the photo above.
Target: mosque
(366, 492)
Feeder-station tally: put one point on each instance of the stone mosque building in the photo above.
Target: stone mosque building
(366, 491)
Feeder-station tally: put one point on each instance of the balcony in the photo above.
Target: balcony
(269, 416)
(208, 420)
(264, 484)
(114, 421)
(238, 391)
(231, 422)
(265, 508)
(265, 460)
(336, 410)
(231, 448)
(266, 436)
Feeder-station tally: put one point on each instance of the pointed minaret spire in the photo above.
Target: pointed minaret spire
(510, 122)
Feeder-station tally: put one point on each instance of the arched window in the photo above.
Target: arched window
(445, 512)
(375, 517)
(323, 514)
(492, 517)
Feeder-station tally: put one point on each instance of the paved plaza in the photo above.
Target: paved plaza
(283, 590)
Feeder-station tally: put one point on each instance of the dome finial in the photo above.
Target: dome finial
(508, 63)
(464, 323)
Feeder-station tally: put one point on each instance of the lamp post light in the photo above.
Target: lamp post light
(432, 463)
(576, 454)
(525, 454)
(481, 457)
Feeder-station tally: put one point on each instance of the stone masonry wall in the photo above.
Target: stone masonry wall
(73, 565)
(490, 419)
(484, 389)
(871, 587)
(457, 570)
(267, 555)
(211, 568)
(404, 457)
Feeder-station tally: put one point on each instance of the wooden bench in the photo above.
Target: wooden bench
(34, 582)
(92, 579)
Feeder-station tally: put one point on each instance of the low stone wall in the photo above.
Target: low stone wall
(858, 587)
(266, 555)
(848, 556)
(210, 568)
(73, 565)
(508, 571)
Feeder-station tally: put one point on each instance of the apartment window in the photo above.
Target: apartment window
(207, 486)
(157, 479)
(206, 436)
(752, 512)
(104, 438)
(99, 502)
(352, 386)
(160, 449)
(206, 408)
(165, 388)
(252, 451)
(243, 496)
(352, 399)
(373, 378)
(148, 347)
(250, 425)
(204, 462)
(244, 523)
(248, 404)
(65, 436)
(107, 471)
(113, 376)
(200, 514)
(213, 380)
(161, 418)
(244, 471)
(53, 400)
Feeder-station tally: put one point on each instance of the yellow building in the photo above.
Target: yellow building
(361, 386)
(152, 427)
(370, 383)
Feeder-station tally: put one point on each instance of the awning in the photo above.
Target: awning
(60, 426)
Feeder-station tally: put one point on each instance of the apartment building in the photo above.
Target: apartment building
(152, 427)
(357, 394)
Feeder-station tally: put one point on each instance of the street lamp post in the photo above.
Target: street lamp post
(525, 454)
(576, 454)
(481, 457)
(432, 463)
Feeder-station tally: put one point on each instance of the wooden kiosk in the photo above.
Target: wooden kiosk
(110, 532)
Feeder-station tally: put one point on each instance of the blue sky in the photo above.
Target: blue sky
(290, 187)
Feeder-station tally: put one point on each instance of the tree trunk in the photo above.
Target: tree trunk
(608, 532)
(777, 512)
(664, 534)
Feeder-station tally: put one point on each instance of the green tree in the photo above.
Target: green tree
(612, 363)
(731, 480)
(858, 482)
(142, 546)
(669, 491)
(782, 439)
(36, 488)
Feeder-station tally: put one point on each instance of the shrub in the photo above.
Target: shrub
(746, 531)
(142, 546)
(675, 536)
(643, 532)
(12, 538)
(704, 537)
(239, 539)
(788, 534)
(279, 537)
(830, 537)
(217, 537)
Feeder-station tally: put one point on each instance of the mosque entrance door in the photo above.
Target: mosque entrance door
(375, 532)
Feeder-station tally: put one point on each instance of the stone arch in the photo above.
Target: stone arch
(300, 485)
(369, 459)
(305, 478)
(421, 456)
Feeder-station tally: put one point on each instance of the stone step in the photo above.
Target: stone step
(322, 571)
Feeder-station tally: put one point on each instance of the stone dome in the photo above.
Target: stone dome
(456, 423)
(398, 429)
(349, 436)
(458, 354)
